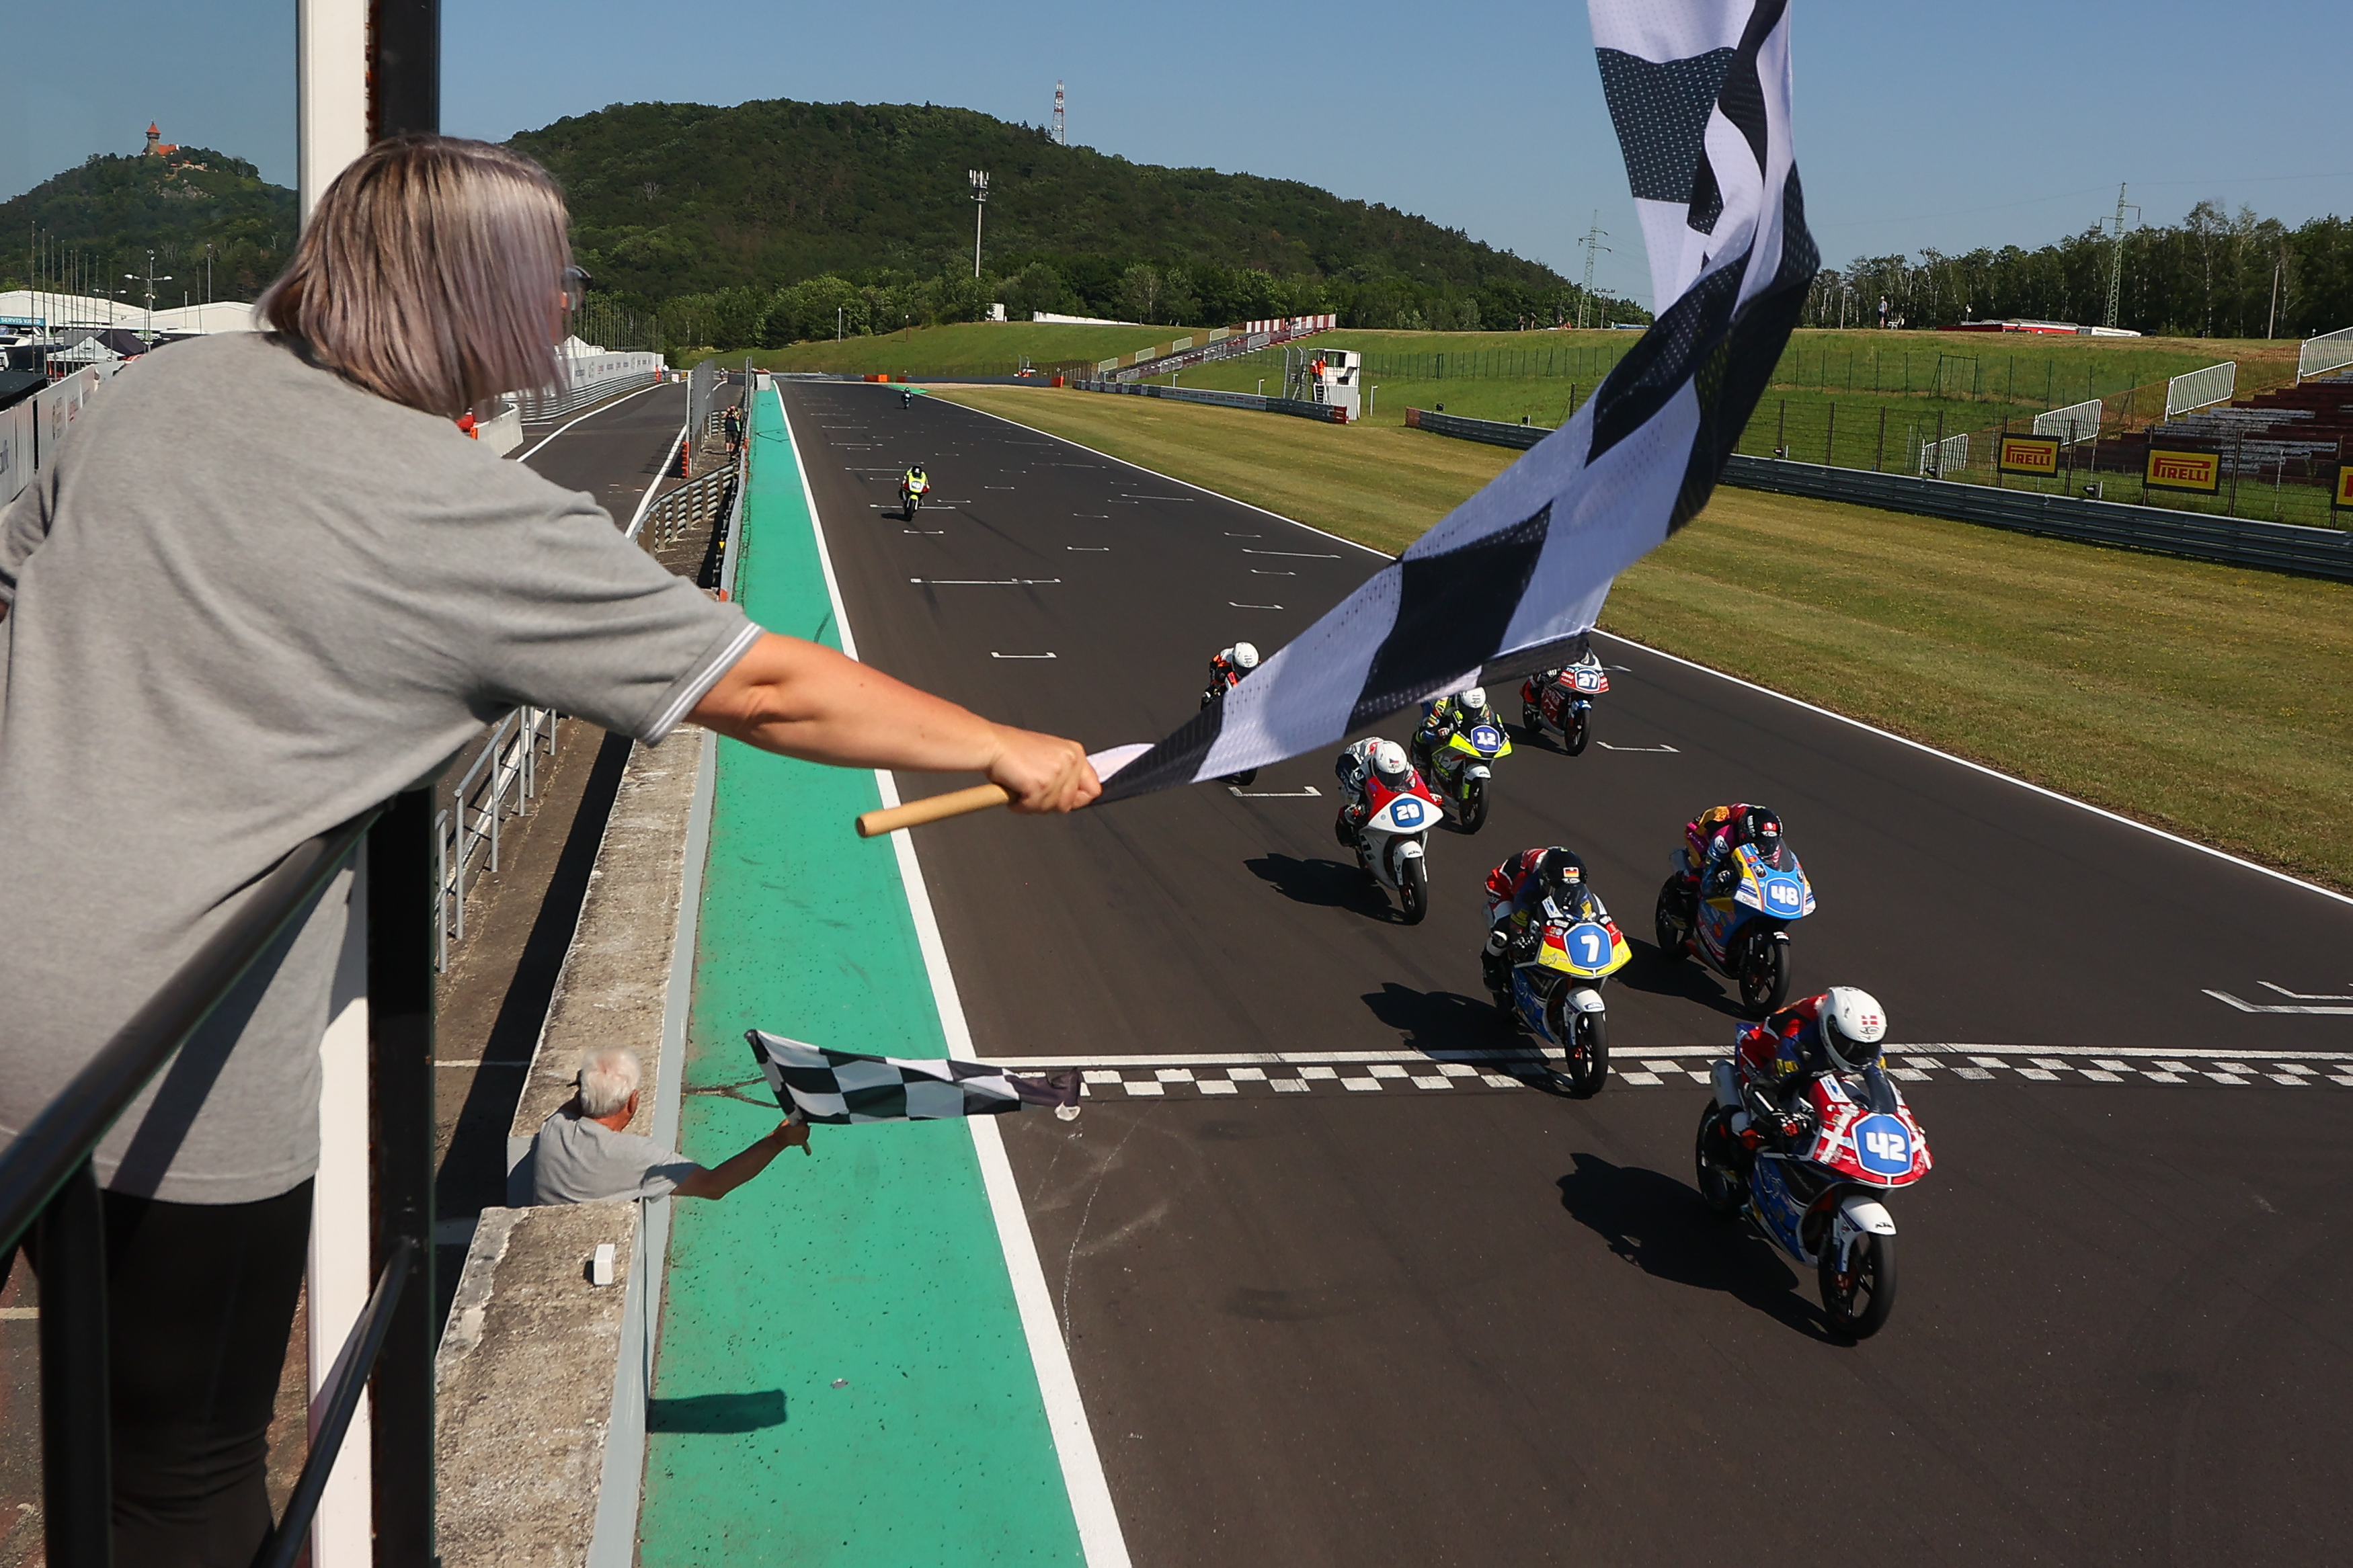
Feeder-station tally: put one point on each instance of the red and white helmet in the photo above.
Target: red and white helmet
(1390, 762)
(1853, 1023)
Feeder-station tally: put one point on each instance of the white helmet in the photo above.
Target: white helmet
(1388, 760)
(1474, 698)
(1245, 656)
(1853, 1023)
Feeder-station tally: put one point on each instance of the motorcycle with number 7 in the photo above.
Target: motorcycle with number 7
(1556, 975)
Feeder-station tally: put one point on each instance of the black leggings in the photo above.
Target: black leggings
(200, 1301)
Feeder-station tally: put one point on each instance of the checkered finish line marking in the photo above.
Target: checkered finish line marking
(1259, 1073)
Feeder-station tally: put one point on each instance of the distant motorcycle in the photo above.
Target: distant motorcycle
(1557, 992)
(1459, 770)
(1214, 692)
(1816, 1191)
(1391, 840)
(911, 496)
(1740, 926)
(1559, 703)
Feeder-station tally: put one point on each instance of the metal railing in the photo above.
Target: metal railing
(467, 828)
(695, 504)
(1329, 413)
(48, 1188)
(2201, 388)
(2329, 351)
(594, 383)
(2075, 423)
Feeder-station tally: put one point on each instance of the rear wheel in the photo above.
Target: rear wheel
(1475, 805)
(1588, 1053)
(1858, 1299)
(1720, 1186)
(1764, 975)
(1243, 779)
(1580, 731)
(1413, 889)
(1667, 924)
(1531, 724)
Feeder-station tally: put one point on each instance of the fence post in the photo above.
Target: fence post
(400, 1063)
(1879, 458)
(1830, 436)
(1997, 451)
(2238, 444)
(1781, 430)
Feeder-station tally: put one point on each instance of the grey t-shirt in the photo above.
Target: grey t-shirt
(576, 1161)
(249, 600)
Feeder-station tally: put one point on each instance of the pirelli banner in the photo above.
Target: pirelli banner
(2199, 471)
(2035, 454)
(2343, 486)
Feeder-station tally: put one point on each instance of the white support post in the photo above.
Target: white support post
(331, 95)
(342, 1534)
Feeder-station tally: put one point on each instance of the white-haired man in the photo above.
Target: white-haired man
(582, 1155)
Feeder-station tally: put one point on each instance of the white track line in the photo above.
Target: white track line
(646, 501)
(592, 414)
(1893, 1049)
(1100, 1536)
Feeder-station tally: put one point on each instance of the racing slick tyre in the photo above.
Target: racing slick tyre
(1858, 1301)
(1474, 806)
(1720, 1186)
(1243, 779)
(1413, 889)
(1588, 1054)
(1764, 975)
(1580, 731)
(1667, 924)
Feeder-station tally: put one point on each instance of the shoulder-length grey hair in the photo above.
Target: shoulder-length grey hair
(432, 272)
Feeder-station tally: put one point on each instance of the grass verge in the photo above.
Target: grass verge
(2211, 701)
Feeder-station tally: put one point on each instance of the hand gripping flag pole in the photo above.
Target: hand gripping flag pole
(1698, 93)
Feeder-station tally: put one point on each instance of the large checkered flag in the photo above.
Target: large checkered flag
(1699, 91)
(841, 1087)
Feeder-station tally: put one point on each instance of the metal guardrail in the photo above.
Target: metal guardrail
(48, 1187)
(692, 505)
(1330, 413)
(2329, 351)
(508, 763)
(2232, 541)
(539, 410)
(2202, 388)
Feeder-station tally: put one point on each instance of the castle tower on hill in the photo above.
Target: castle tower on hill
(156, 146)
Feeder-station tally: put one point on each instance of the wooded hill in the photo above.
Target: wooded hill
(113, 210)
(673, 200)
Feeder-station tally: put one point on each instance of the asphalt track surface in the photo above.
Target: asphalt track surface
(1484, 1324)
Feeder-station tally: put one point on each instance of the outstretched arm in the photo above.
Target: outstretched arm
(731, 1173)
(804, 700)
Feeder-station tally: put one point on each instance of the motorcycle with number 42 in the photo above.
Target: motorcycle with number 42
(1813, 1179)
(1740, 921)
(1462, 768)
(1559, 703)
(1392, 837)
(1556, 990)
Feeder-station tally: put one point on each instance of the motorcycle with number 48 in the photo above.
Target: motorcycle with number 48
(1462, 769)
(1740, 921)
(1555, 988)
(1559, 703)
(1813, 1179)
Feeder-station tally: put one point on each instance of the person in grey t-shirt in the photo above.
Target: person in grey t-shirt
(584, 1155)
(265, 584)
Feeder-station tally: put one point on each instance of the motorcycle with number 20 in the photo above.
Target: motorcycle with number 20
(1391, 840)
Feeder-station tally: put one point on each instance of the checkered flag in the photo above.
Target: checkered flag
(842, 1087)
(1699, 91)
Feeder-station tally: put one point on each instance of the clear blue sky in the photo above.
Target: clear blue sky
(1919, 124)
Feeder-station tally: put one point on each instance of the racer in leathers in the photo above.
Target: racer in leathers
(1516, 890)
(1385, 760)
(1838, 1031)
(1444, 717)
(1709, 840)
(1229, 664)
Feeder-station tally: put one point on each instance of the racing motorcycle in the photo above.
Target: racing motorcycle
(1390, 839)
(911, 495)
(1740, 928)
(1813, 1181)
(1560, 702)
(1555, 993)
(1215, 692)
(1459, 768)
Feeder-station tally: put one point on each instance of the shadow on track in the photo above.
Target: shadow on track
(1328, 883)
(1660, 1224)
(1690, 980)
(1440, 1024)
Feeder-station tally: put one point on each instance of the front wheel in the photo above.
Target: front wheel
(1764, 975)
(1475, 805)
(1667, 923)
(1858, 1299)
(1243, 779)
(1588, 1054)
(1720, 1186)
(1580, 731)
(1413, 889)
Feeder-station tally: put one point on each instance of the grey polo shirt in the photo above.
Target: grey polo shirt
(575, 1159)
(248, 600)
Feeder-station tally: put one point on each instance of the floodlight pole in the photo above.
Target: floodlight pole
(979, 178)
(149, 334)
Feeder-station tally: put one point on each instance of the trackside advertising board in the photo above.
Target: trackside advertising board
(2344, 496)
(2037, 455)
(2199, 471)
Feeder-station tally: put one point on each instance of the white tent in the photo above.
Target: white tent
(220, 316)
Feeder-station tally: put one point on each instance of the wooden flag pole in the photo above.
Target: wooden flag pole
(931, 808)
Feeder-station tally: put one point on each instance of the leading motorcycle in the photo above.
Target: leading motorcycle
(1391, 837)
(1813, 1180)
(1459, 770)
(911, 495)
(1740, 924)
(1215, 692)
(1556, 991)
(1559, 703)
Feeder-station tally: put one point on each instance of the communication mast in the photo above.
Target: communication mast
(1592, 243)
(1061, 132)
(2117, 262)
(979, 178)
